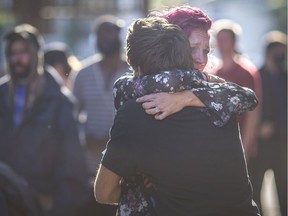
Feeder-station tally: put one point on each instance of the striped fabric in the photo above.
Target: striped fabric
(96, 100)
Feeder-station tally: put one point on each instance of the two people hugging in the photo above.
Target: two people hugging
(194, 158)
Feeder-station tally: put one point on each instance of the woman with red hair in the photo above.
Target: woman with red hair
(218, 98)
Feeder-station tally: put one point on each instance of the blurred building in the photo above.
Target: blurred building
(70, 21)
(256, 17)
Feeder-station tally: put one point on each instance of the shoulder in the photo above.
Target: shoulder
(84, 72)
(131, 108)
(132, 113)
(4, 89)
(94, 59)
(124, 80)
(248, 67)
(4, 80)
(54, 90)
(51, 83)
(88, 65)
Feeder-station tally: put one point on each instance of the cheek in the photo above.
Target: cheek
(26, 59)
(205, 58)
(199, 56)
(200, 68)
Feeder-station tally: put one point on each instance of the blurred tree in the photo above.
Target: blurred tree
(29, 12)
(278, 9)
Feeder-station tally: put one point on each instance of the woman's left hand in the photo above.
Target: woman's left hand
(164, 104)
(161, 104)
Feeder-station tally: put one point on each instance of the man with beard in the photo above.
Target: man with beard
(38, 132)
(93, 89)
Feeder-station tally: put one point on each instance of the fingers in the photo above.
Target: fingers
(146, 98)
(149, 105)
(156, 104)
(153, 110)
(161, 116)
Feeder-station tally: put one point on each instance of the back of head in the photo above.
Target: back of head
(186, 17)
(153, 45)
(58, 53)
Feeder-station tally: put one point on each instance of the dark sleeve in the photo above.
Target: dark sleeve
(120, 156)
(71, 176)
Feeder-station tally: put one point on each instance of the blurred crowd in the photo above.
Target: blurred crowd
(56, 112)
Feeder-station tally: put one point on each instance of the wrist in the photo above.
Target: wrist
(192, 100)
(205, 76)
(188, 98)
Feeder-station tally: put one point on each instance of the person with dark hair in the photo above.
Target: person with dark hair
(222, 101)
(272, 147)
(59, 56)
(38, 132)
(193, 173)
(196, 25)
(92, 88)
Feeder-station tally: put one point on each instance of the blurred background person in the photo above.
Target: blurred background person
(272, 147)
(60, 57)
(92, 87)
(236, 68)
(38, 132)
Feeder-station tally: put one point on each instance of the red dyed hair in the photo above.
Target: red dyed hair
(186, 17)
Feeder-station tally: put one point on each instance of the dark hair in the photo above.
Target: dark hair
(25, 32)
(274, 39)
(230, 32)
(153, 45)
(186, 17)
(58, 53)
(32, 37)
(108, 20)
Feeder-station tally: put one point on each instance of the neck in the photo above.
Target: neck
(227, 61)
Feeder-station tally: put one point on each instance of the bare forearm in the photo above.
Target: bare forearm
(190, 99)
(107, 187)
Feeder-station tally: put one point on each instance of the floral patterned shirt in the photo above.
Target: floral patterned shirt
(222, 100)
(135, 199)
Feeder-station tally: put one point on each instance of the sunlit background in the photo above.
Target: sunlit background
(71, 20)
